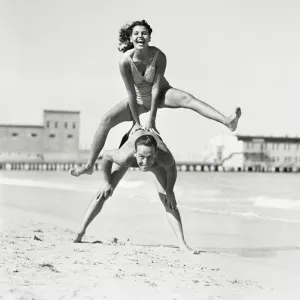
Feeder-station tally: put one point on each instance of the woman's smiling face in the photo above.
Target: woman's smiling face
(140, 37)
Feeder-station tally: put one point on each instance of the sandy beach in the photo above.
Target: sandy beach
(132, 254)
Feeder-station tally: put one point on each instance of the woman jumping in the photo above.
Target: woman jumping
(142, 68)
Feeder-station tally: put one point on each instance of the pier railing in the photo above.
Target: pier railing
(181, 166)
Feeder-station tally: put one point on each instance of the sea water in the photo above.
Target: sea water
(266, 196)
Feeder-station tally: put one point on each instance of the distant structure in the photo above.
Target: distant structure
(254, 153)
(56, 140)
(263, 153)
(55, 146)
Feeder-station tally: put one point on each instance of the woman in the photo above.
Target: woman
(142, 68)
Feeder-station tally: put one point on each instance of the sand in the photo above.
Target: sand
(40, 261)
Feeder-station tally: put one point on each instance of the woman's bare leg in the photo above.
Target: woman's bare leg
(175, 98)
(118, 114)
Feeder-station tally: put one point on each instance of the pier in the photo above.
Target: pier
(181, 167)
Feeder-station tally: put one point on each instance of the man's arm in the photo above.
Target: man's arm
(116, 156)
(110, 157)
(171, 177)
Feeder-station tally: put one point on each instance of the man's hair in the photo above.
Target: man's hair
(126, 32)
(146, 140)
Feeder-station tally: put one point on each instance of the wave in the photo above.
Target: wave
(260, 201)
(279, 203)
(63, 186)
(247, 215)
(42, 184)
(131, 184)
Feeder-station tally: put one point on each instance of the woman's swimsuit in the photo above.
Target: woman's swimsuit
(143, 83)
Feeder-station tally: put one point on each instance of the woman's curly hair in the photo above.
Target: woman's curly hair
(125, 34)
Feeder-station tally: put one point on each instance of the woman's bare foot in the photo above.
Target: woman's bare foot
(86, 169)
(233, 120)
(79, 237)
(186, 249)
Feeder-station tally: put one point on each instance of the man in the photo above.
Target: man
(147, 151)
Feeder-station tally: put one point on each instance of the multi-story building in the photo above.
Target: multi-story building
(265, 152)
(21, 141)
(256, 153)
(61, 134)
(56, 139)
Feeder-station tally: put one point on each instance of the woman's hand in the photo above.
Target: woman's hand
(135, 128)
(150, 126)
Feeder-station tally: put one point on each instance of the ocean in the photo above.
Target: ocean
(270, 196)
(243, 209)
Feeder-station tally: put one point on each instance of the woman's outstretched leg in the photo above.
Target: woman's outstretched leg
(175, 98)
(118, 114)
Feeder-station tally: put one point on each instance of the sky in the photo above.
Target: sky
(62, 54)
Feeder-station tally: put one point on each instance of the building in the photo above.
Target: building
(57, 139)
(61, 134)
(24, 142)
(266, 152)
(256, 153)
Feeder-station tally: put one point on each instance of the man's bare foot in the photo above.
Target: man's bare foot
(186, 249)
(85, 169)
(233, 120)
(79, 237)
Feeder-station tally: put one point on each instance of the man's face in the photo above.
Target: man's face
(145, 157)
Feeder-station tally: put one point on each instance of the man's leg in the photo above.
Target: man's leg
(173, 215)
(96, 204)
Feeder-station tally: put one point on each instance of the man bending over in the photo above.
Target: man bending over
(146, 151)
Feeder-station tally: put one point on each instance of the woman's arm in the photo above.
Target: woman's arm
(156, 89)
(128, 81)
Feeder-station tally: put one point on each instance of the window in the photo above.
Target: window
(69, 136)
(14, 134)
(52, 135)
(33, 135)
(74, 125)
(249, 145)
(66, 124)
(48, 124)
(55, 124)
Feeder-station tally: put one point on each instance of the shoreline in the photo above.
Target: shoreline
(52, 265)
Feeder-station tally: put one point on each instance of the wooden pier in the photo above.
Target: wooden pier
(181, 167)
